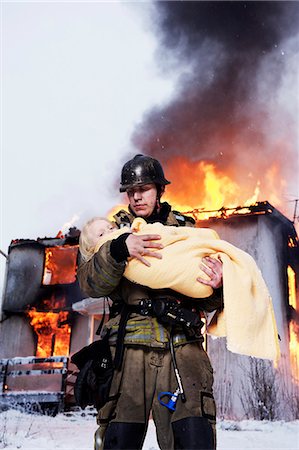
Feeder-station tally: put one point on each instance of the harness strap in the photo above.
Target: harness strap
(99, 329)
(119, 352)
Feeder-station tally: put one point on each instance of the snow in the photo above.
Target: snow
(67, 431)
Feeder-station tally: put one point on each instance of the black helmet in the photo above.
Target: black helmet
(142, 170)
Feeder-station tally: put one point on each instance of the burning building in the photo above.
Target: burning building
(39, 328)
(41, 325)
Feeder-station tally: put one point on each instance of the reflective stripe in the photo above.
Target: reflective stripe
(148, 331)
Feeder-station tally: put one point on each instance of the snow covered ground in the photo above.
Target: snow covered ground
(75, 432)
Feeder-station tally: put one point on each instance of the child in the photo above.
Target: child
(248, 307)
(99, 230)
(91, 233)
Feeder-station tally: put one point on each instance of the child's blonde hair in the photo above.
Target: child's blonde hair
(87, 248)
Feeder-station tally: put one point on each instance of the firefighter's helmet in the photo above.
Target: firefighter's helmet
(142, 170)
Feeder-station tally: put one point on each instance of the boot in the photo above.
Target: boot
(125, 436)
(193, 433)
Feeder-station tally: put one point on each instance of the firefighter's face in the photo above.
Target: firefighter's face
(143, 199)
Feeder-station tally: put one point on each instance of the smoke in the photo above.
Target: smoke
(235, 101)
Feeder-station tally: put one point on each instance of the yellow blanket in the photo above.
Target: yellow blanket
(247, 319)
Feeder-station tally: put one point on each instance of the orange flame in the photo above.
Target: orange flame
(60, 265)
(293, 326)
(53, 333)
(201, 185)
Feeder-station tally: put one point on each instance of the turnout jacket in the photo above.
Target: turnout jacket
(102, 276)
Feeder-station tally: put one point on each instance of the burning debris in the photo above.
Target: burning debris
(256, 208)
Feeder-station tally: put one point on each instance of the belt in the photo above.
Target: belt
(167, 310)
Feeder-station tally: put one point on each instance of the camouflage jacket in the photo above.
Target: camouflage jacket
(102, 276)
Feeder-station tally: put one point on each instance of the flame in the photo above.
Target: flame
(252, 200)
(203, 186)
(294, 349)
(53, 333)
(293, 326)
(60, 265)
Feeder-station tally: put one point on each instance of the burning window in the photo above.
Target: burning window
(60, 265)
(53, 332)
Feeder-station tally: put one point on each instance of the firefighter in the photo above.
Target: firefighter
(142, 336)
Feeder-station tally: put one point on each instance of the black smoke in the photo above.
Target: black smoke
(233, 59)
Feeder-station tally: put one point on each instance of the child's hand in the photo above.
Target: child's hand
(139, 246)
(213, 268)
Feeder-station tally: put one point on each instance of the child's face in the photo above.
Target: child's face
(98, 228)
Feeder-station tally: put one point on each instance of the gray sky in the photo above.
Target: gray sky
(75, 80)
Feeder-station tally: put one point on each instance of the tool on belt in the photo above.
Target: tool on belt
(171, 404)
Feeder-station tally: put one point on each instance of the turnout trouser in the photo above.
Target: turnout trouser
(134, 394)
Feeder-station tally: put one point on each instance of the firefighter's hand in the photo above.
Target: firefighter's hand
(213, 268)
(140, 246)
